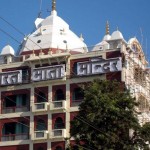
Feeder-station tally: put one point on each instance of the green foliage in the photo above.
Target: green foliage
(105, 117)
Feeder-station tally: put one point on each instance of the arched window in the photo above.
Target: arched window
(78, 94)
(143, 104)
(41, 97)
(58, 148)
(41, 125)
(59, 124)
(59, 95)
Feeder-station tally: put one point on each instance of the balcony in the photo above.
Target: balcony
(58, 105)
(58, 133)
(40, 135)
(40, 107)
(7, 110)
(15, 137)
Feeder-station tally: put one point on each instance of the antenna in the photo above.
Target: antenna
(146, 49)
(40, 10)
(141, 36)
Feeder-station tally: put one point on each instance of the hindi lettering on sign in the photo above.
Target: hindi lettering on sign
(99, 66)
(48, 73)
(11, 77)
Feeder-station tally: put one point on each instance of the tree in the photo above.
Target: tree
(105, 118)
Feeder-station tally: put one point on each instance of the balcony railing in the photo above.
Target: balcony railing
(7, 110)
(58, 133)
(15, 137)
(39, 107)
(40, 135)
(75, 103)
(57, 105)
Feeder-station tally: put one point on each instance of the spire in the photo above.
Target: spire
(53, 5)
(81, 37)
(107, 27)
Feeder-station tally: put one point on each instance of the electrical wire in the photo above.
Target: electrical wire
(29, 49)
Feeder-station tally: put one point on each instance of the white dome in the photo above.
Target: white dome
(7, 50)
(38, 22)
(53, 32)
(106, 37)
(116, 35)
(101, 46)
(132, 40)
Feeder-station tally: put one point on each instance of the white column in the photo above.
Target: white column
(31, 117)
(31, 131)
(49, 117)
(67, 100)
(49, 145)
(31, 146)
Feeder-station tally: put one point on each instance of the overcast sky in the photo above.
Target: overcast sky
(84, 16)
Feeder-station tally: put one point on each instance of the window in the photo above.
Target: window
(40, 148)
(41, 125)
(25, 75)
(78, 94)
(139, 75)
(41, 97)
(59, 123)
(58, 148)
(59, 95)
(39, 41)
(143, 104)
(74, 68)
(9, 128)
(16, 100)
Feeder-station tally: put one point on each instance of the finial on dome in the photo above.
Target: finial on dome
(107, 27)
(53, 5)
(81, 37)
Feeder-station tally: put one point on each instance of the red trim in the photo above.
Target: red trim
(55, 116)
(72, 87)
(114, 76)
(73, 62)
(38, 145)
(57, 87)
(15, 92)
(72, 115)
(15, 147)
(61, 144)
(43, 117)
(40, 89)
(113, 54)
(16, 68)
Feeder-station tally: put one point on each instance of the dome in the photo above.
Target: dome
(101, 46)
(7, 50)
(53, 32)
(132, 40)
(106, 37)
(116, 35)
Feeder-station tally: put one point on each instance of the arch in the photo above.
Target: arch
(143, 104)
(58, 148)
(59, 95)
(78, 94)
(41, 125)
(59, 124)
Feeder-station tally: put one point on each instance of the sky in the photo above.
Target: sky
(84, 16)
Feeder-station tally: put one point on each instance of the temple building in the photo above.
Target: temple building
(40, 86)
